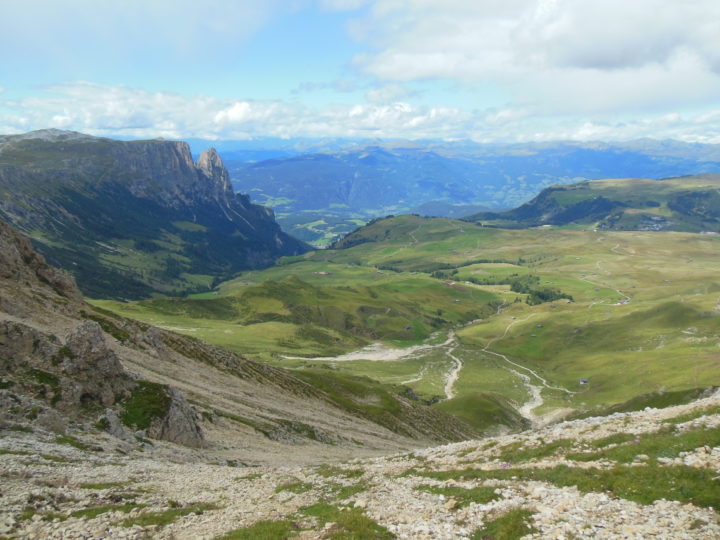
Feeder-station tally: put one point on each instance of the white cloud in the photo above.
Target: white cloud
(598, 55)
(132, 112)
(388, 93)
(124, 111)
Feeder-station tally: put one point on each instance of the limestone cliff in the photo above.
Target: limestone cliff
(130, 218)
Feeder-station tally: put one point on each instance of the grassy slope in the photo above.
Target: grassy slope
(325, 315)
(689, 204)
(664, 338)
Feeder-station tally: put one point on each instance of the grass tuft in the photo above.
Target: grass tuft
(510, 526)
(262, 530)
(463, 496)
(147, 402)
(294, 487)
(351, 523)
(166, 517)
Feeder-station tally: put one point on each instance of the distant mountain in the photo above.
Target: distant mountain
(690, 204)
(133, 218)
(370, 181)
(322, 194)
(444, 209)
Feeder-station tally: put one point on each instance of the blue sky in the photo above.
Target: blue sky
(488, 70)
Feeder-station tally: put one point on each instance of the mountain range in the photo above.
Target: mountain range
(133, 218)
(320, 194)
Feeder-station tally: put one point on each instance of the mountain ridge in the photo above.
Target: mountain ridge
(92, 204)
(686, 203)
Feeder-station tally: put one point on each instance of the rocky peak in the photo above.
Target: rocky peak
(212, 167)
(97, 194)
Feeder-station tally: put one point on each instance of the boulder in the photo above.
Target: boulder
(180, 424)
(91, 370)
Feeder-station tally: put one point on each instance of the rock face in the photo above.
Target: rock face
(84, 374)
(91, 204)
(91, 370)
(23, 267)
(46, 379)
(179, 425)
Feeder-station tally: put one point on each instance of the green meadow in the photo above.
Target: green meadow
(630, 312)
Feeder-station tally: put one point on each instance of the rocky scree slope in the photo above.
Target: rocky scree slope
(75, 371)
(129, 218)
(647, 474)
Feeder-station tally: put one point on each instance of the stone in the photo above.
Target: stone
(180, 424)
(91, 371)
(114, 426)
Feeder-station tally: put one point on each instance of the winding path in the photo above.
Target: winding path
(454, 372)
(536, 399)
(598, 265)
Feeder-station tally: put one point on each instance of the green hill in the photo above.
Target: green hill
(293, 317)
(690, 204)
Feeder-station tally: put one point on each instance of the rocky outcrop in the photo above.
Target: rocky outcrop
(23, 266)
(48, 380)
(78, 377)
(91, 371)
(179, 425)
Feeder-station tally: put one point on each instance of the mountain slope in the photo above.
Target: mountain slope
(689, 204)
(132, 218)
(646, 474)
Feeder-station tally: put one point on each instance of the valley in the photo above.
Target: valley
(630, 312)
(360, 270)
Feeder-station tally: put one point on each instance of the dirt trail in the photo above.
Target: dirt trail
(454, 373)
(536, 400)
(413, 242)
(598, 265)
(377, 352)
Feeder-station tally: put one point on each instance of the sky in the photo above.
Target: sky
(485, 70)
